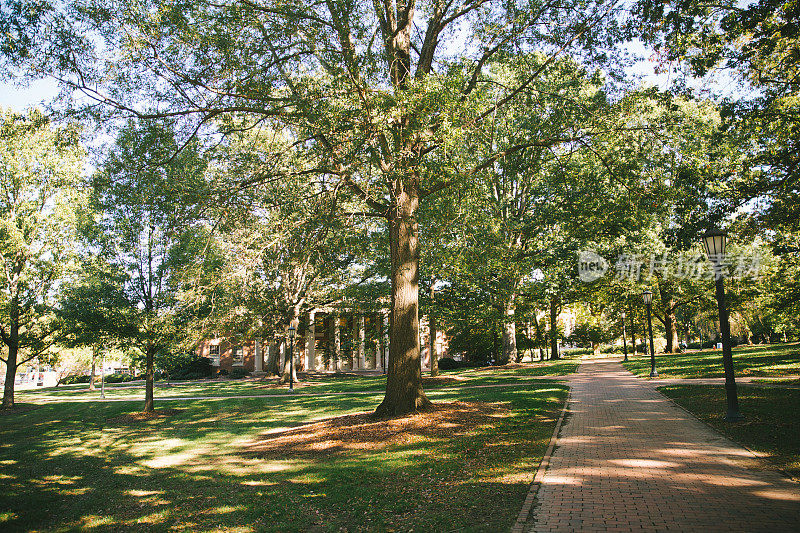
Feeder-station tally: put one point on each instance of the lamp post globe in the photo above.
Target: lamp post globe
(715, 241)
(647, 296)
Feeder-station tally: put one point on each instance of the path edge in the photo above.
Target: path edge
(524, 514)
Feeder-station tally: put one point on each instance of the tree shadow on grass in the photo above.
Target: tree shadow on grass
(96, 467)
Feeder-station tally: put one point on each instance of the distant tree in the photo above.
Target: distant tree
(148, 196)
(40, 173)
(95, 311)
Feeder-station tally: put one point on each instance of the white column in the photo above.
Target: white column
(281, 354)
(259, 357)
(310, 343)
(385, 342)
(424, 335)
(360, 342)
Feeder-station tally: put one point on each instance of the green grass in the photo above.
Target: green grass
(771, 426)
(765, 361)
(81, 466)
(316, 384)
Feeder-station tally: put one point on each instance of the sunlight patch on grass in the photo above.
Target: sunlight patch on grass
(144, 493)
(237, 465)
(156, 444)
(129, 470)
(171, 460)
(93, 521)
(153, 518)
(58, 480)
(224, 509)
(258, 483)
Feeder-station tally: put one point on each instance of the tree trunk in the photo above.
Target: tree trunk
(633, 329)
(12, 341)
(290, 361)
(11, 374)
(271, 367)
(150, 353)
(553, 329)
(670, 326)
(539, 335)
(432, 327)
(595, 348)
(666, 290)
(404, 374)
(509, 352)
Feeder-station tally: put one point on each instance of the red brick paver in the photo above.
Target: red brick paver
(628, 459)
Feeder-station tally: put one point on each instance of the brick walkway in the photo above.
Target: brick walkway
(627, 459)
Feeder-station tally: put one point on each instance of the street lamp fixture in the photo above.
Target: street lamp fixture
(291, 358)
(714, 241)
(647, 296)
(624, 339)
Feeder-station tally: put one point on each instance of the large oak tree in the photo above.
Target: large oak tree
(379, 93)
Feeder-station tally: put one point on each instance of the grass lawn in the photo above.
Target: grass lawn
(773, 360)
(771, 424)
(321, 383)
(257, 465)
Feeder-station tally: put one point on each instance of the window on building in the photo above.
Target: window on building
(238, 356)
(213, 354)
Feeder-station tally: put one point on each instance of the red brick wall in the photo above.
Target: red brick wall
(226, 353)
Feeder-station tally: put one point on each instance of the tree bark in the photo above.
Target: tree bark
(271, 367)
(553, 329)
(670, 321)
(540, 342)
(509, 352)
(404, 375)
(150, 353)
(11, 373)
(12, 341)
(670, 326)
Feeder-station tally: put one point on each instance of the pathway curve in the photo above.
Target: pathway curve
(628, 459)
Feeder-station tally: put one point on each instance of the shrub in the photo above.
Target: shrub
(572, 352)
(448, 363)
(75, 378)
(239, 373)
(118, 378)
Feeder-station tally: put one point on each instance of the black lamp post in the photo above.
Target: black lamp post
(714, 241)
(291, 358)
(647, 295)
(624, 340)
